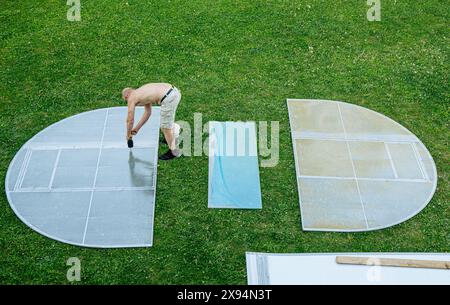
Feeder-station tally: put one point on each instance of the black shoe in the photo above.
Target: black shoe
(167, 156)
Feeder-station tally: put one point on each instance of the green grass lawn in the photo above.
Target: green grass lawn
(233, 60)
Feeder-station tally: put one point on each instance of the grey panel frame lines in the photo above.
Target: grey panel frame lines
(95, 176)
(391, 162)
(353, 166)
(23, 170)
(28, 152)
(52, 178)
(85, 189)
(412, 140)
(420, 162)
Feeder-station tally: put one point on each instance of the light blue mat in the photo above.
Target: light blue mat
(233, 166)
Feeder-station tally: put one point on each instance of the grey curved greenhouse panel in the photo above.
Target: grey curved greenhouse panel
(357, 170)
(77, 182)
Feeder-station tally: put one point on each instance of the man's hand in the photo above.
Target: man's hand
(132, 133)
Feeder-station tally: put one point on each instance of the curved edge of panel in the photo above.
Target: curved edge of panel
(404, 219)
(30, 225)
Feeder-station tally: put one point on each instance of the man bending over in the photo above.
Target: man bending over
(162, 94)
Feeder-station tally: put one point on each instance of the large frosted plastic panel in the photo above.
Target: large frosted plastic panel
(322, 269)
(315, 119)
(39, 170)
(81, 130)
(149, 136)
(387, 203)
(406, 161)
(126, 168)
(324, 158)
(365, 123)
(76, 168)
(427, 161)
(61, 216)
(331, 204)
(371, 160)
(116, 129)
(233, 166)
(15, 169)
(357, 170)
(78, 182)
(121, 218)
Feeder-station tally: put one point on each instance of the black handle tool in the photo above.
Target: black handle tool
(130, 143)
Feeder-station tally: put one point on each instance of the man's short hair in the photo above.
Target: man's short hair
(125, 91)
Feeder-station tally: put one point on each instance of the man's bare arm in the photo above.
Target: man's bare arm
(144, 119)
(130, 117)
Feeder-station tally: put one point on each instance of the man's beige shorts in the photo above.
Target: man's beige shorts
(169, 108)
